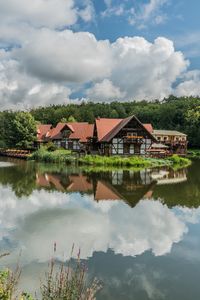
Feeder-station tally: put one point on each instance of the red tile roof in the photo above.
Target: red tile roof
(42, 131)
(79, 184)
(82, 131)
(79, 130)
(55, 133)
(105, 191)
(104, 126)
(116, 129)
(149, 127)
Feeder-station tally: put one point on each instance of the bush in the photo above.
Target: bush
(58, 156)
(50, 146)
(179, 161)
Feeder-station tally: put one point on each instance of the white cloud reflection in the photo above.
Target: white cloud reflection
(45, 218)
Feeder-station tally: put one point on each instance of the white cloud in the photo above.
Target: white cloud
(148, 13)
(118, 10)
(87, 14)
(43, 65)
(146, 70)
(54, 215)
(129, 68)
(19, 90)
(190, 85)
(105, 90)
(48, 13)
(64, 56)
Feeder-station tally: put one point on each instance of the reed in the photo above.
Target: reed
(69, 282)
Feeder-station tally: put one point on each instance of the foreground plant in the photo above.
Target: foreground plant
(68, 282)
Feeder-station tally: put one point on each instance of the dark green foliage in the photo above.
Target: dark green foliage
(50, 146)
(182, 114)
(17, 130)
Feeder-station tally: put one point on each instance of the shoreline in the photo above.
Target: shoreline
(133, 162)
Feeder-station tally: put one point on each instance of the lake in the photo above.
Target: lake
(139, 232)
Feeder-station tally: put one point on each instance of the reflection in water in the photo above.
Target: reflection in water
(41, 204)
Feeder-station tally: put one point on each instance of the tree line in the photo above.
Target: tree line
(172, 113)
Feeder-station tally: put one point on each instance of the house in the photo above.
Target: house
(174, 140)
(122, 136)
(42, 132)
(114, 137)
(73, 136)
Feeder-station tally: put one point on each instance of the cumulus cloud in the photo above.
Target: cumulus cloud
(141, 70)
(105, 90)
(48, 13)
(43, 65)
(64, 56)
(129, 68)
(19, 90)
(190, 86)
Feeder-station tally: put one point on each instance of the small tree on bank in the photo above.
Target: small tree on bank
(24, 130)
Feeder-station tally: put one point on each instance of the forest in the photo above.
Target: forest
(172, 113)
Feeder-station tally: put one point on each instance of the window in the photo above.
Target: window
(117, 146)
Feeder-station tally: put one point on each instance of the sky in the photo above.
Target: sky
(67, 51)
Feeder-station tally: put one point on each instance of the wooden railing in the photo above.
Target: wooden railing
(15, 153)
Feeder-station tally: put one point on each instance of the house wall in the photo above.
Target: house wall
(177, 143)
(119, 146)
(68, 144)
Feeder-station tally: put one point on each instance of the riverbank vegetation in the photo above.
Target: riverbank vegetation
(193, 153)
(65, 281)
(135, 162)
(182, 114)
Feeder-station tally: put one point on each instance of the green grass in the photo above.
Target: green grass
(131, 162)
(193, 153)
(57, 156)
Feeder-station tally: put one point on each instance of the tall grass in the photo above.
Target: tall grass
(58, 156)
(178, 161)
(120, 161)
(138, 162)
(193, 153)
(67, 282)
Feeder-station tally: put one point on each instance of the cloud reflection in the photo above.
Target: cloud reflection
(45, 218)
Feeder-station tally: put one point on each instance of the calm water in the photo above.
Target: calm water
(139, 232)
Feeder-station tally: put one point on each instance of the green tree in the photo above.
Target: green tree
(24, 130)
(71, 119)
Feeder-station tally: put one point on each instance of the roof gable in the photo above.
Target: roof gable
(104, 126)
(122, 124)
(149, 127)
(82, 131)
(55, 133)
(42, 131)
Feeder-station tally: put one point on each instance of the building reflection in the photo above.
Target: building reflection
(128, 186)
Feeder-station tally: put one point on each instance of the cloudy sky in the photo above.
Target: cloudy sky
(60, 51)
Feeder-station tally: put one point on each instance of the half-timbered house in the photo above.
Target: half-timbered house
(122, 136)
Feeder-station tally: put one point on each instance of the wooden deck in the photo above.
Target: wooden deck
(23, 154)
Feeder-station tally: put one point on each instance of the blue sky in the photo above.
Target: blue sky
(59, 51)
(180, 22)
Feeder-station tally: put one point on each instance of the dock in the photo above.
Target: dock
(23, 154)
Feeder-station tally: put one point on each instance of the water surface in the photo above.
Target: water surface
(139, 232)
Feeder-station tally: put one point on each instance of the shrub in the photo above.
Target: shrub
(50, 146)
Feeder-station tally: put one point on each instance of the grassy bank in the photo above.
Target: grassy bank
(136, 162)
(193, 154)
(57, 156)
